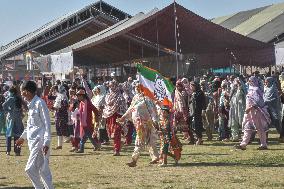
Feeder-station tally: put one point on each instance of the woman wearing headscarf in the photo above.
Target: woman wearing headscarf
(256, 116)
(61, 115)
(186, 86)
(216, 93)
(208, 114)
(2, 115)
(224, 106)
(128, 96)
(86, 110)
(98, 101)
(281, 79)
(237, 108)
(143, 113)
(14, 125)
(115, 107)
(198, 104)
(180, 108)
(272, 100)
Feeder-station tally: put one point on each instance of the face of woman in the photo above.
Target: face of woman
(80, 97)
(111, 86)
(185, 82)
(250, 82)
(266, 83)
(179, 88)
(193, 88)
(98, 91)
(72, 93)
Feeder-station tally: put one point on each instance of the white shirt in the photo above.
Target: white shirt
(38, 130)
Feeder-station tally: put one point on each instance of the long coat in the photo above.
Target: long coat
(14, 124)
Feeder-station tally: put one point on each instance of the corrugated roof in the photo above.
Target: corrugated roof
(221, 19)
(108, 33)
(20, 42)
(264, 24)
(259, 19)
(269, 31)
(240, 18)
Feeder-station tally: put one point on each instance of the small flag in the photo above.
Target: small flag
(155, 86)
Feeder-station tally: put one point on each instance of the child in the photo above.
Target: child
(169, 140)
(224, 107)
(75, 117)
(86, 108)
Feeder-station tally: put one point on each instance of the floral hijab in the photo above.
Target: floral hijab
(270, 91)
(115, 102)
(255, 94)
(98, 100)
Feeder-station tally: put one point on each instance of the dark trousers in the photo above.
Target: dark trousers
(87, 135)
(197, 125)
(282, 129)
(70, 130)
(190, 131)
(103, 135)
(17, 149)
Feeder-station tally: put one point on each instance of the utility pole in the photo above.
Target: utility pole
(176, 37)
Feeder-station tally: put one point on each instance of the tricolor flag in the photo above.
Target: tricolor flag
(154, 85)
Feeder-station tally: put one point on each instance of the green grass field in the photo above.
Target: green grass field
(212, 165)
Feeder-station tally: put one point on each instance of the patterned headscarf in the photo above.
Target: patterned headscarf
(186, 85)
(255, 95)
(254, 84)
(179, 84)
(115, 102)
(99, 99)
(271, 91)
(180, 105)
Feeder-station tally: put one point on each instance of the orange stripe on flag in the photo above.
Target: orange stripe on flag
(150, 94)
(147, 92)
(166, 102)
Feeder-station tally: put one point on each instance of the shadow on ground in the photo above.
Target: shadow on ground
(228, 164)
(16, 187)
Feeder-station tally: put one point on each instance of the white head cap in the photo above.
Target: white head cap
(112, 74)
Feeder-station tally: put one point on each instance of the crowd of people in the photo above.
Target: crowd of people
(101, 111)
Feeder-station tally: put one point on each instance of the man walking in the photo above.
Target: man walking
(38, 134)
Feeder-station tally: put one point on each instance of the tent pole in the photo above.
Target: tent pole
(158, 45)
(129, 59)
(142, 48)
(175, 17)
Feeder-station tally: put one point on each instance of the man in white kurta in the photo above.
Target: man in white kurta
(38, 134)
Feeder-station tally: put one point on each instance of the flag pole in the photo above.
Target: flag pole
(176, 39)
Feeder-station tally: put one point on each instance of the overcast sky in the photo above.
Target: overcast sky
(19, 17)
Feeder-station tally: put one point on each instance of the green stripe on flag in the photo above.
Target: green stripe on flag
(151, 75)
(147, 73)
